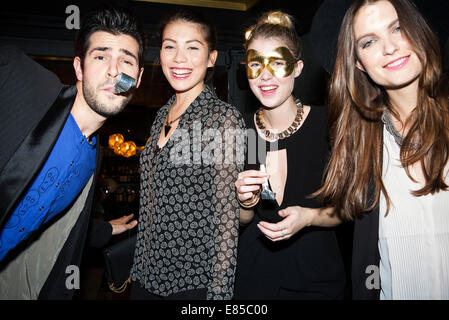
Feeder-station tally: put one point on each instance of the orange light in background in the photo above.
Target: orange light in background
(129, 149)
(121, 147)
(115, 139)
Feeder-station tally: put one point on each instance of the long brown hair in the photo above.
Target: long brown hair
(353, 180)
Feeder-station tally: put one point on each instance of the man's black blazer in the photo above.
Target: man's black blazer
(34, 107)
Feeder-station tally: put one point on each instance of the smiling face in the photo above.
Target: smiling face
(271, 71)
(106, 57)
(384, 53)
(185, 56)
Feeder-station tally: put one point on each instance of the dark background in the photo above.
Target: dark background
(39, 29)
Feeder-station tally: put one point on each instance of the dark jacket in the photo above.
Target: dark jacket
(34, 107)
(365, 251)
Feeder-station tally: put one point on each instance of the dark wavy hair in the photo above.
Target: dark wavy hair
(356, 105)
(115, 20)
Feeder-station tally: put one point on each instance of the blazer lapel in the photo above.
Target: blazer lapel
(24, 165)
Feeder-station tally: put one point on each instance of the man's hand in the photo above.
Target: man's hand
(121, 224)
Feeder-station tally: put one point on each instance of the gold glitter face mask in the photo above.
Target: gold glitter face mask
(280, 62)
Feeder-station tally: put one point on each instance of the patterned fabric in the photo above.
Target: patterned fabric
(188, 218)
(63, 176)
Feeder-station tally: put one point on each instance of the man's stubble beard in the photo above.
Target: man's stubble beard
(104, 109)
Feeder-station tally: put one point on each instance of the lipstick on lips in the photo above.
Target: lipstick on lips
(180, 73)
(268, 90)
(397, 63)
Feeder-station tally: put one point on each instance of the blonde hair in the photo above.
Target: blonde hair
(275, 24)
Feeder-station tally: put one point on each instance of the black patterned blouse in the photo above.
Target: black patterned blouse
(188, 217)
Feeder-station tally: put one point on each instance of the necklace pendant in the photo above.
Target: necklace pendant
(167, 129)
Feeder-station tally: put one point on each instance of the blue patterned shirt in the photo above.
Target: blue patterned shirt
(65, 173)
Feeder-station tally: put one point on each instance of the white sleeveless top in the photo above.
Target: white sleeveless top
(414, 237)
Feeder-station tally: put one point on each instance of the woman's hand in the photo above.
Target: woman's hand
(248, 183)
(295, 219)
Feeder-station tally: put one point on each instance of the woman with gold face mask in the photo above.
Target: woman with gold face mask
(285, 249)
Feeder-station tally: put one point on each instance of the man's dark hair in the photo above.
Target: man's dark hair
(115, 20)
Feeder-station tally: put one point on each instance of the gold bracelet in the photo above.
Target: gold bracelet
(251, 202)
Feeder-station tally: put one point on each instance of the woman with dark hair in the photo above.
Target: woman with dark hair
(390, 145)
(188, 222)
(284, 251)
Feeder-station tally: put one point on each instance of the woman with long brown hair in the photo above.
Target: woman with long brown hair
(388, 107)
